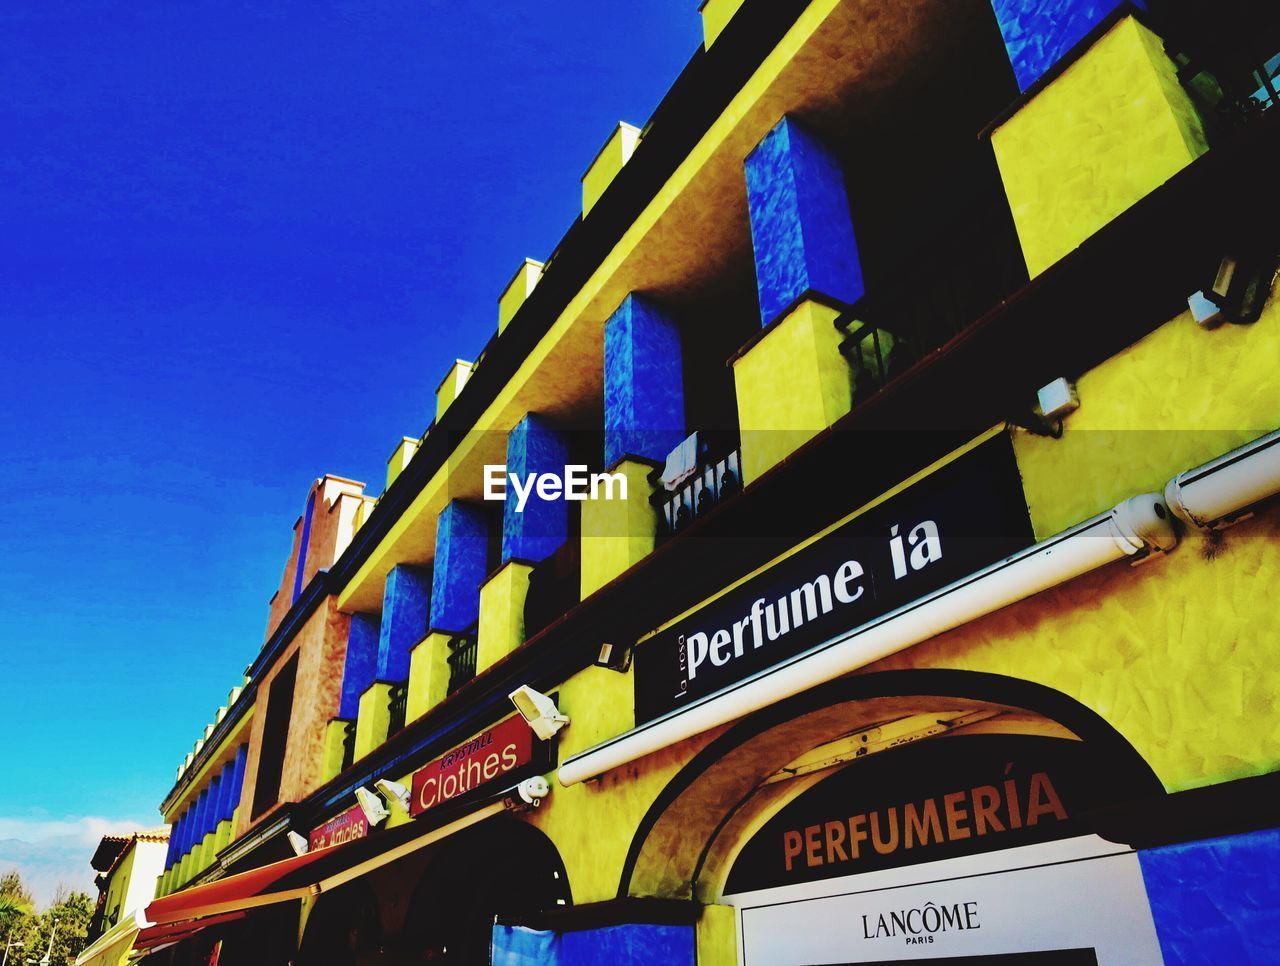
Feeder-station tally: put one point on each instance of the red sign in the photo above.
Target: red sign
(345, 827)
(485, 758)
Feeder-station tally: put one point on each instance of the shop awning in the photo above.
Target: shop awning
(153, 938)
(313, 873)
(112, 946)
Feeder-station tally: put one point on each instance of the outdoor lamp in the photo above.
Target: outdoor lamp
(393, 792)
(539, 711)
(300, 844)
(374, 810)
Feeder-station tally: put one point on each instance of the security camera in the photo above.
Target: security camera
(533, 790)
(393, 792)
(374, 810)
(539, 711)
(300, 845)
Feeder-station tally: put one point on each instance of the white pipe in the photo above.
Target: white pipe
(1134, 529)
(1213, 495)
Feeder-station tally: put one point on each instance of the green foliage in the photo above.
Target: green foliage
(20, 923)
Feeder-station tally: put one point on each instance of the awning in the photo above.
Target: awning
(114, 944)
(313, 873)
(154, 938)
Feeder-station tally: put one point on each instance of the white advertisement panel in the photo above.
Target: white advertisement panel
(1083, 894)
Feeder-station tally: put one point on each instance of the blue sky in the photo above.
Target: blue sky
(241, 242)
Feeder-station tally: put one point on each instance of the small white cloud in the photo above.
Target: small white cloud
(51, 851)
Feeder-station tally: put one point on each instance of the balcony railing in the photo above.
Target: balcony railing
(397, 703)
(717, 478)
(462, 660)
(972, 265)
(348, 745)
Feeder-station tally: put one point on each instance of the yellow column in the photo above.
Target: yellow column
(335, 735)
(501, 627)
(717, 937)
(428, 674)
(791, 384)
(1107, 131)
(618, 533)
(400, 458)
(374, 718)
(222, 837)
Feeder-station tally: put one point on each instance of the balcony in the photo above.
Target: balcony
(555, 586)
(462, 659)
(397, 705)
(971, 266)
(711, 475)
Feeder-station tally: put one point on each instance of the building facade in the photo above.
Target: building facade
(128, 868)
(910, 594)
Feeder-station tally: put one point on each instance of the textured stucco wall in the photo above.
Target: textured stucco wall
(1218, 900)
(1111, 128)
(1177, 398)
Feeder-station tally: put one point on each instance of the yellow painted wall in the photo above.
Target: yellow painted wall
(374, 718)
(617, 533)
(501, 626)
(716, 15)
(428, 675)
(118, 887)
(517, 290)
(1176, 399)
(1111, 128)
(616, 152)
(790, 385)
(1177, 655)
(400, 458)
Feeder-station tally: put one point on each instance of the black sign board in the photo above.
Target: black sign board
(937, 799)
(960, 518)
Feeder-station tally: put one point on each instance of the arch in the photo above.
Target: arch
(687, 839)
(504, 867)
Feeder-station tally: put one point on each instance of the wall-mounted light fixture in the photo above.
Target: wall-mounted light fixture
(393, 792)
(539, 711)
(372, 806)
(300, 845)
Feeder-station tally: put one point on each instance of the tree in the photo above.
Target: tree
(72, 912)
(16, 908)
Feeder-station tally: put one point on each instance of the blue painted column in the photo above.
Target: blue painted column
(237, 777)
(643, 383)
(215, 799)
(226, 795)
(175, 838)
(536, 531)
(197, 821)
(184, 833)
(406, 602)
(1216, 900)
(361, 666)
(1038, 33)
(801, 228)
(461, 564)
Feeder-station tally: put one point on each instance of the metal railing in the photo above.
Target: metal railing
(969, 267)
(348, 745)
(718, 477)
(397, 705)
(462, 660)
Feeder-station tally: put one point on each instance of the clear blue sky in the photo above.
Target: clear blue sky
(241, 242)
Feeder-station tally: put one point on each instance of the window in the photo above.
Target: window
(275, 736)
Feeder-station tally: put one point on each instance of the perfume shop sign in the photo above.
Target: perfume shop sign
(497, 754)
(344, 827)
(958, 519)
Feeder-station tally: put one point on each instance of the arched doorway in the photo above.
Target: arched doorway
(502, 868)
(809, 815)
